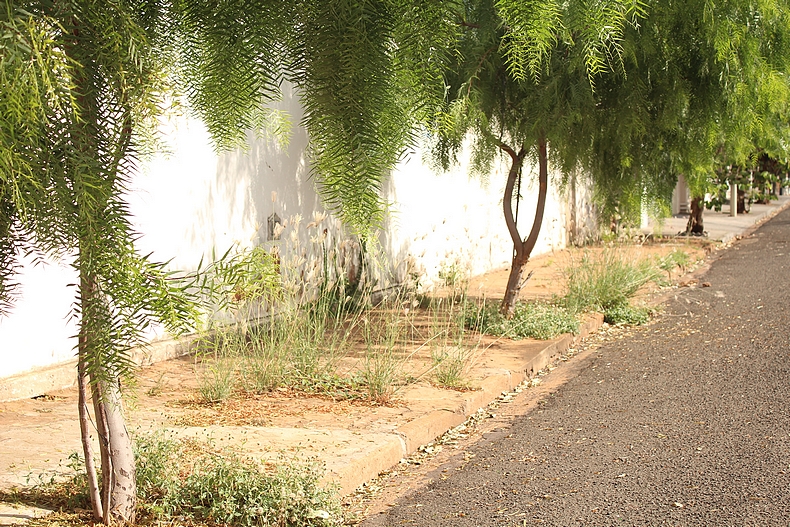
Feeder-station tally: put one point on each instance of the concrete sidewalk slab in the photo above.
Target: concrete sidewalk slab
(13, 514)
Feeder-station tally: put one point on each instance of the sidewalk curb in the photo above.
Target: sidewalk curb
(411, 436)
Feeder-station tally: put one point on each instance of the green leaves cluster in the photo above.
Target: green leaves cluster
(81, 91)
(537, 320)
(366, 72)
(633, 93)
(702, 80)
(224, 487)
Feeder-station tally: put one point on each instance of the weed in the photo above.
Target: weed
(186, 481)
(605, 282)
(536, 320)
(381, 367)
(180, 479)
(453, 275)
(449, 365)
(65, 488)
(217, 381)
(379, 372)
(158, 387)
(627, 314)
(296, 330)
(156, 468)
(229, 489)
(675, 260)
(263, 370)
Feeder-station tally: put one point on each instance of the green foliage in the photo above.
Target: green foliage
(536, 320)
(536, 27)
(232, 490)
(626, 314)
(228, 60)
(79, 106)
(217, 381)
(452, 276)
(449, 365)
(180, 478)
(605, 281)
(702, 81)
(194, 481)
(355, 150)
(525, 71)
(675, 259)
(755, 179)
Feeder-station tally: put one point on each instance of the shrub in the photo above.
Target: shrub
(627, 315)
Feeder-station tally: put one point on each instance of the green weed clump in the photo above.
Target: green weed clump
(449, 365)
(537, 320)
(278, 321)
(675, 259)
(217, 381)
(627, 315)
(188, 482)
(607, 283)
(297, 317)
(187, 479)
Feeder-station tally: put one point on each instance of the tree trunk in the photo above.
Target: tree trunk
(694, 225)
(118, 496)
(119, 488)
(522, 249)
(87, 447)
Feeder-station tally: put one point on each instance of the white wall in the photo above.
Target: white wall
(192, 202)
(441, 219)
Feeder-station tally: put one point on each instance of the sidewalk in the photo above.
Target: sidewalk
(354, 442)
(720, 226)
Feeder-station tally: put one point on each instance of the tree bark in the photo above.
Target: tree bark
(695, 225)
(118, 472)
(522, 249)
(87, 448)
(117, 499)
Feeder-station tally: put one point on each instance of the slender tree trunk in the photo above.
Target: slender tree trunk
(117, 499)
(522, 249)
(87, 447)
(695, 225)
(119, 488)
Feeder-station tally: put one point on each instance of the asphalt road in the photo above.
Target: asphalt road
(686, 422)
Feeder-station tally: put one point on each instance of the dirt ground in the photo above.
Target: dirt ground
(37, 435)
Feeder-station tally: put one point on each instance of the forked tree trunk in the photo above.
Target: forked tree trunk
(117, 498)
(119, 488)
(522, 249)
(695, 225)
